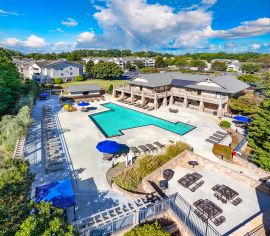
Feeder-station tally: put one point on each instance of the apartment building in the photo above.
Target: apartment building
(201, 92)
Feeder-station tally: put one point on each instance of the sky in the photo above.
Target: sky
(174, 26)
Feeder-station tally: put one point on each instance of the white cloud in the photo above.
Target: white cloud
(6, 13)
(230, 45)
(62, 46)
(85, 37)
(255, 46)
(32, 42)
(70, 22)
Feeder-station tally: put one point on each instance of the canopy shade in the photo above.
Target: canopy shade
(109, 146)
(243, 119)
(83, 104)
(60, 193)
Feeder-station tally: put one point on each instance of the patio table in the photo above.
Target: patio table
(226, 192)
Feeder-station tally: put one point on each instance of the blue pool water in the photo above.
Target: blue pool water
(120, 118)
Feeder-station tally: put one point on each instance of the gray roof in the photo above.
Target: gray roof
(83, 88)
(227, 83)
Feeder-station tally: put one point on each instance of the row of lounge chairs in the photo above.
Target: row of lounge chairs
(217, 137)
(51, 141)
(147, 148)
(138, 104)
(173, 110)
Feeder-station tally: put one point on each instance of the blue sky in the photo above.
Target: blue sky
(177, 26)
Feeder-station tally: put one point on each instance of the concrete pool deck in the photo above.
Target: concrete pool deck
(83, 162)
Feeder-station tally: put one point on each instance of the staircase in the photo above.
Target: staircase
(19, 148)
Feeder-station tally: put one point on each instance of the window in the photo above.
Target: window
(70, 73)
(61, 69)
(62, 74)
(70, 68)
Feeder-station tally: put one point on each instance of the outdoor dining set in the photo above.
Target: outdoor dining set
(50, 137)
(191, 179)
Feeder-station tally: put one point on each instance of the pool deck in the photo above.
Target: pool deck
(84, 162)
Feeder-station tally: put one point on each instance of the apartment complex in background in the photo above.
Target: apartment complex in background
(121, 62)
(200, 92)
(46, 71)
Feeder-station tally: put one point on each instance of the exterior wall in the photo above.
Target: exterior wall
(65, 72)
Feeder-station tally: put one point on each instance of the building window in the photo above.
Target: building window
(70, 73)
(62, 74)
(61, 69)
(70, 68)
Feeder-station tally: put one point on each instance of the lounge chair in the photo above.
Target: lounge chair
(237, 201)
(210, 141)
(146, 106)
(151, 147)
(135, 150)
(150, 109)
(159, 145)
(215, 138)
(222, 133)
(141, 105)
(218, 221)
(144, 149)
(218, 136)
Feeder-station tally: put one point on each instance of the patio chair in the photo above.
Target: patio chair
(135, 150)
(218, 136)
(151, 147)
(200, 215)
(146, 107)
(237, 201)
(150, 109)
(159, 145)
(198, 202)
(216, 139)
(221, 133)
(215, 187)
(218, 221)
(144, 149)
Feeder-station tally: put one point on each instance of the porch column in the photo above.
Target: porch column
(201, 106)
(156, 102)
(131, 95)
(143, 98)
(114, 92)
(219, 111)
(226, 107)
(165, 102)
(185, 103)
(171, 101)
(122, 94)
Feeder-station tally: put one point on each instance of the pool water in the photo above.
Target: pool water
(119, 118)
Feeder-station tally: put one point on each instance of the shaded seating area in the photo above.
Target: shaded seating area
(191, 179)
(225, 194)
(206, 209)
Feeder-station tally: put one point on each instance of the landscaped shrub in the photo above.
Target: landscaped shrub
(58, 81)
(131, 178)
(225, 124)
(219, 149)
(79, 78)
(147, 230)
(110, 89)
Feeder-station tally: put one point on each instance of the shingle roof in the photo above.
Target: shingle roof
(83, 88)
(227, 83)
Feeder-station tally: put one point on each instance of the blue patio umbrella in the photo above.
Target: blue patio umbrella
(243, 119)
(109, 146)
(60, 193)
(83, 104)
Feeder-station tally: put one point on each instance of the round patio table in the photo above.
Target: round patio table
(193, 163)
(168, 174)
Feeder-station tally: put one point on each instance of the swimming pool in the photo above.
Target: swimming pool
(118, 118)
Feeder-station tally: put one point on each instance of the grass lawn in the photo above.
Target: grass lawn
(102, 83)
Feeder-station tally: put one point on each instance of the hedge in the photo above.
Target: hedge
(147, 230)
(130, 179)
(225, 124)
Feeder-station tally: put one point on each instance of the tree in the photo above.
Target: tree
(73, 57)
(45, 220)
(250, 68)
(159, 62)
(139, 64)
(129, 66)
(249, 78)
(110, 89)
(10, 85)
(88, 68)
(79, 78)
(58, 81)
(106, 70)
(198, 63)
(219, 66)
(181, 62)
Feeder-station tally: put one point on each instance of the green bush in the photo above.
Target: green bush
(219, 149)
(225, 124)
(110, 89)
(58, 81)
(130, 179)
(147, 230)
(79, 78)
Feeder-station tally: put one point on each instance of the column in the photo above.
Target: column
(171, 101)
(165, 102)
(143, 98)
(219, 111)
(226, 107)
(185, 103)
(155, 102)
(114, 92)
(122, 94)
(131, 95)
(201, 106)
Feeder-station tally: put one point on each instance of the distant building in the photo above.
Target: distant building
(84, 90)
(234, 66)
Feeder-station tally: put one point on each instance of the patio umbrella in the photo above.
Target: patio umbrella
(109, 146)
(83, 104)
(243, 119)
